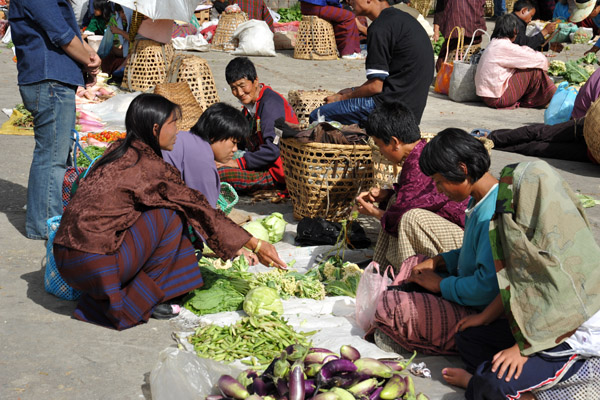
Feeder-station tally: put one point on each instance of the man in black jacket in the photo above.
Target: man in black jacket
(525, 10)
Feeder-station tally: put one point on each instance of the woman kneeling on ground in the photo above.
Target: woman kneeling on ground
(421, 313)
(509, 75)
(124, 240)
(414, 199)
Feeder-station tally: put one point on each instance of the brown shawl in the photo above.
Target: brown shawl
(112, 198)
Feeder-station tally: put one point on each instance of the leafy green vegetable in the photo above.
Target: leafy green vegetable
(587, 201)
(256, 229)
(290, 14)
(557, 68)
(263, 300)
(589, 58)
(340, 278)
(269, 229)
(576, 73)
(437, 46)
(93, 152)
(221, 296)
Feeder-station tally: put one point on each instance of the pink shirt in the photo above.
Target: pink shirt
(499, 62)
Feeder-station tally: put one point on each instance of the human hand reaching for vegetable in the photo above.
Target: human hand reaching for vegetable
(266, 253)
(250, 256)
(509, 361)
(365, 202)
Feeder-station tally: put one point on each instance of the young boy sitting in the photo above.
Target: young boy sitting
(260, 167)
(525, 10)
(546, 258)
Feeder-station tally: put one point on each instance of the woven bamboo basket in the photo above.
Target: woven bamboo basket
(196, 72)
(136, 21)
(228, 23)
(305, 101)
(591, 130)
(180, 93)
(323, 179)
(315, 40)
(385, 173)
(510, 5)
(148, 64)
(489, 8)
(422, 6)
(476, 48)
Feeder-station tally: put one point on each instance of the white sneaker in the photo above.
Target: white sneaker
(354, 56)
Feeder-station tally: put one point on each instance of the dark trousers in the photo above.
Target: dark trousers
(478, 345)
(563, 141)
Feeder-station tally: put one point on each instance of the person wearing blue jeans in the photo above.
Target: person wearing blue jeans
(499, 8)
(51, 62)
(399, 66)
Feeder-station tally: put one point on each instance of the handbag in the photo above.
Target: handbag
(106, 44)
(561, 106)
(462, 81)
(442, 79)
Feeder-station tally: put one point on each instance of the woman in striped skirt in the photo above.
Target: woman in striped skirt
(509, 75)
(127, 238)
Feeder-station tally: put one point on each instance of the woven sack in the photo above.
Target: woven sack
(591, 130)
(303, 102)
(315, 40)
(462, 81)
(180, 93)
(323, 179)
(53, 282)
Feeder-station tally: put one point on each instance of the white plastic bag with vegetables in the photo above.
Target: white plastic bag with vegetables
(371, 286)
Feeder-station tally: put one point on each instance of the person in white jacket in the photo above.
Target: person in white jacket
(509, 75)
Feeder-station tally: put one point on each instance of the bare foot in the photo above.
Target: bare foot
(457, 377)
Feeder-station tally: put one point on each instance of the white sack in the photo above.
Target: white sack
(254, 38)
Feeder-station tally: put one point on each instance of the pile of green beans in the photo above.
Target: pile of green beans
(260, 337)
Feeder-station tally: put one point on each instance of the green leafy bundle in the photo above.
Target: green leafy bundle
(93, 152)
(290, 14)
(576, 73)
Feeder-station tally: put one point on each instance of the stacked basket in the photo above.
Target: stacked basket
(180, 93)
(422, 6)
(228, 23)
(315, 40)
(196, 72)
(303, 102)
(148, 64)
(323, 179)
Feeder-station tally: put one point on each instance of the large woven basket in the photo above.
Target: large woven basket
(196, 72)
(386, 172)
(422, 6)
(315, 40)
(489, 8)
(228, 23)
(180, 93)
(474, 49)
(591, 130)
(510, 5)
(323, 179)
(305, 101)
(147, 65)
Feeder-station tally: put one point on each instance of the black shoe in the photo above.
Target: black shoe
(164, 311)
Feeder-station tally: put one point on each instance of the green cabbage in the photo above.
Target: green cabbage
(263, 300)
(256, 229)
(269, 229)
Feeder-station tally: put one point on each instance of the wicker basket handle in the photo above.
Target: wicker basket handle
(448, 42)
(473, 38)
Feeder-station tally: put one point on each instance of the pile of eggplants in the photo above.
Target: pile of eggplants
(301, 373)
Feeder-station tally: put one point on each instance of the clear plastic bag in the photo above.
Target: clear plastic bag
(371, 286)
(183, 375)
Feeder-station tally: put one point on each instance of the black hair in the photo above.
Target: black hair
(521, 4)
(506, 27)
(221, 121)
(144, 111)
(105, 7)
(393, 119)
(450, 148)
(240, 68)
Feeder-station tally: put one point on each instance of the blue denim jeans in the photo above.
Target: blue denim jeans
(499, 8)
(346, 112)
(52, 105)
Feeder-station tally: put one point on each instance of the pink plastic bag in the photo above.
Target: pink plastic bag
(370, 288)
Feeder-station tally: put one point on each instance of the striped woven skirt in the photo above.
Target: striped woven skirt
(155, 263)
(530, 88)
(244, 180)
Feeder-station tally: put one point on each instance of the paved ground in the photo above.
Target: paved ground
(44, 353)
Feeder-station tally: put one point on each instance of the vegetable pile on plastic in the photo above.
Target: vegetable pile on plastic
(299, 373)
(269, 229)
(257, 339)
(340, 278)
(575, 72)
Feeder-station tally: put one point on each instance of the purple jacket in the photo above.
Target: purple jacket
(417, 190)
(194, 158)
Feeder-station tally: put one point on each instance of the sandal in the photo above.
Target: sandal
(480, 132)
(166, 311)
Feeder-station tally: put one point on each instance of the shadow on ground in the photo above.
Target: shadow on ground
(14, 198)
(37, 294)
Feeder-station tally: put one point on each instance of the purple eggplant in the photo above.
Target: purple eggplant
(247, 377)
(318, 357)
(319, 350)
(422, 396)
(342, 394)
(349, 353)
(344, 380)
(330, 357)
(410, 388)
(281, 368)
(231, 387)
(363, 388)
(309, 387)
(282, 387)
(394, 388)
(326, 396)
(262, 388)
(395, 364)
(333, 368)
(295, 352)
(373, 367)
(296, 384)
(268, 372)
(375, 394)
(254, 397)
(313, 369)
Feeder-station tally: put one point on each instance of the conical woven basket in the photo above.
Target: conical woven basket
(196, 72)
(489, 8)
(180, 93)
(591, 130)
(422, 6)
(148, 64)
(323, 179)
(228, 23)
(305, 101)
(315, 40)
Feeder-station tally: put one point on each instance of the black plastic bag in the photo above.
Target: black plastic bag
(318, 231)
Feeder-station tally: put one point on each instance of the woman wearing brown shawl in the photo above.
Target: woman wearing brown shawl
(125, 238)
